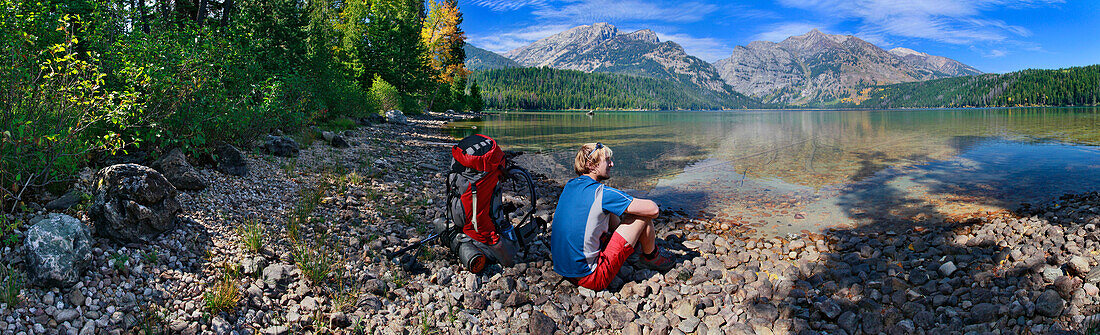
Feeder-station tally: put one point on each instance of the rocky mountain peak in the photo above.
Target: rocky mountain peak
(550, 50)
(902, 52)
(644, 35)
(813, 41)
(600, 47)
(816, 66)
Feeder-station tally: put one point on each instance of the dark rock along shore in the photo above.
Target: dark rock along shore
(1029, 270)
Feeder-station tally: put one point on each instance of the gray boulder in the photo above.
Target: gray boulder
(1049, 304)
(66, 201)
(231, 161)
(338, 141)
(132, 203)
(540, 324)
(335, 140)
(179, 172)
(58, 249)
(281, 146)
(396, 116)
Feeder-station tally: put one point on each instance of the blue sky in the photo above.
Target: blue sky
(991, 35)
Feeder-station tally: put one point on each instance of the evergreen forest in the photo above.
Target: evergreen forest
(547, 88)
(1075, 86)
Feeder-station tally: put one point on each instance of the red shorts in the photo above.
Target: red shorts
(608, 263)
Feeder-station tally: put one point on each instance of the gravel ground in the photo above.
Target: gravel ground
(327, 218)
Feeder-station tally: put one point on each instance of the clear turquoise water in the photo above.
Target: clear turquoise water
(761, 168)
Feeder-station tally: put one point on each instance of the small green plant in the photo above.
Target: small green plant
(345, 296)
(8, 231)
(319, 324)
(340, 123)
(426, 326)
(11, 284)
(408, 219)
(398, 279)
(85, 202)
(151, 257)
(223, 296)
(290, 167)
(252, 235)
(452, 316)
(315, 263)
(120, 260)
(684, 276)
(372, 194)
(426, 254)
(307, 137)
(1091, 326)
(233, 270)
(308, 201)
(343, 181)
(153, 320)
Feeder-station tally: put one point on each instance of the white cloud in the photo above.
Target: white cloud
(948, 21)
(990, 53)
(742, 11)
(502, 42)
(508, 5)
(590, 11)
(706, 48)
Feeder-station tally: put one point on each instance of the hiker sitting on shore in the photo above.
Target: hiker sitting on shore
(596, 227)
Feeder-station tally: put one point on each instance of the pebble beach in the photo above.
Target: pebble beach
(300, 245)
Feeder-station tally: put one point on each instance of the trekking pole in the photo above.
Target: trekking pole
(413, 246)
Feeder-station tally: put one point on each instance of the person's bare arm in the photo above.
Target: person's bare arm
(643, 208)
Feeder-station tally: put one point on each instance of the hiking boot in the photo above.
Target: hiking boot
(660, 263)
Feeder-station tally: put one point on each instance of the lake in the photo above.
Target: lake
(779, 172)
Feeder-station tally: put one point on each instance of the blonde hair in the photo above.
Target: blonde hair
(585, 159)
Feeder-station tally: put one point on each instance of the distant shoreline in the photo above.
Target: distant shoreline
(499, 111)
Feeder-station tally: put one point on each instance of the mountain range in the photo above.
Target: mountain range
(810, 68)
(601, 47)
(818, 67)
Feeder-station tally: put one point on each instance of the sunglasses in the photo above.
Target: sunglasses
(598, 147)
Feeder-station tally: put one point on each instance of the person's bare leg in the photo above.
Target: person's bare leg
(638, 231)
(649, 238)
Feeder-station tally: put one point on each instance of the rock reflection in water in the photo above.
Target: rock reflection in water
(789, 171)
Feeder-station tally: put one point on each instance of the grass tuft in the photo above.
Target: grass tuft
(290, 167)
(11, 284)
(308, 201)
(153, 320)
(315, 264)
(252, 235)
(223, 296)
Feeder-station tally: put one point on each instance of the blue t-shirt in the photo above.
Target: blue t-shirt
(579, 221)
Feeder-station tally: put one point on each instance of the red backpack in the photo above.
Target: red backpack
(473, 197)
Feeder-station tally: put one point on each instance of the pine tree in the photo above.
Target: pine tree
(393, 49)
(474, 101)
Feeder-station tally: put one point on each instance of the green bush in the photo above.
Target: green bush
(54, 108)
(387, 96)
